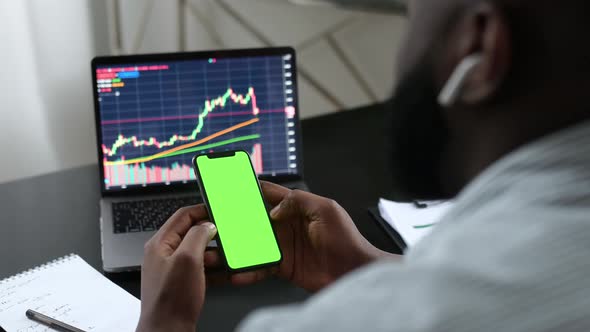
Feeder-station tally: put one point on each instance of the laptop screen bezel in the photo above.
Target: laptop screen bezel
(184, 56)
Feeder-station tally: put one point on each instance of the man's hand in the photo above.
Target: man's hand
(318, 239)
(172, 274)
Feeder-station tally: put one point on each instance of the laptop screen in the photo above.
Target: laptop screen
(155, 116)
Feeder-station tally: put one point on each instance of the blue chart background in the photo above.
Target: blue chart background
(182, 91)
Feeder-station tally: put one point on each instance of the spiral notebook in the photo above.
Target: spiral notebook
(71, 291)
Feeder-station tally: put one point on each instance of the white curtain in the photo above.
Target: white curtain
(46, 121)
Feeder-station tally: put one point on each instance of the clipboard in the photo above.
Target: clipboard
(392, 233)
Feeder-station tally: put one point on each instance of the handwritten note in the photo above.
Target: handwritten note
(68, 290)
(410, 222)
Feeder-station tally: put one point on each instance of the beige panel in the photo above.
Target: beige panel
(372, 44)
(198, 37)
(288, 24)
(161, 26)
(233, 34)
(321, 61)
(311, 103)
(131, 12)
(161, 33)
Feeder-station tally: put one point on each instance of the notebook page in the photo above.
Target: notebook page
(68, 290)
(410, 222)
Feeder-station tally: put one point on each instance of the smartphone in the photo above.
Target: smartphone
(233, 197)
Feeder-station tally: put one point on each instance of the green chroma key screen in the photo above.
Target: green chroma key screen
(238, 210)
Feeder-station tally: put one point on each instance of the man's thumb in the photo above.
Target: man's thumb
(197, 238)
(287, 207)
(276, 211)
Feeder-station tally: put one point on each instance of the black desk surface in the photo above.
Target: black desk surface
(52, 215)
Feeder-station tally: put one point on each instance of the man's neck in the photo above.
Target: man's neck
(483, 146)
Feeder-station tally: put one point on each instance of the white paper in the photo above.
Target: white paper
(410, 222)
(70, 291)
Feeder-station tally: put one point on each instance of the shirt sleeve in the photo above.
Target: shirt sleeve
(427, 297)
(382, 297)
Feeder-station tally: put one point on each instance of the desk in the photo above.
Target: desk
(56, 214)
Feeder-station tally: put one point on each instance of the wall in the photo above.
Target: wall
(47, 121)
(349, 54)
(47, 114)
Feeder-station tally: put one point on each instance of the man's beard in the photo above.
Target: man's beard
(419, 135)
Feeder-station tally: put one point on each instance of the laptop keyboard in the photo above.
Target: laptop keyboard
(148, 215)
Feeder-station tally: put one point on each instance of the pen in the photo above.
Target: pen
(420, 205)
(52, 323)
(425, 205)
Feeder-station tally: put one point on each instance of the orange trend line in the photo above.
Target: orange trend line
(182, 147)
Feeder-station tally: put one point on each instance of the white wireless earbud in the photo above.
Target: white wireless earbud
(450, 92)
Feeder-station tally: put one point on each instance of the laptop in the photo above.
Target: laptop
(155, 112)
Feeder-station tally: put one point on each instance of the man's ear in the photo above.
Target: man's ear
(482, 31)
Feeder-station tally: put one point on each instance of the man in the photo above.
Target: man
(511, 141)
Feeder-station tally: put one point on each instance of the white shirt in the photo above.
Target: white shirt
(512, 255)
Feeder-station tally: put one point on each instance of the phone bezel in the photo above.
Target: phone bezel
(225, 154)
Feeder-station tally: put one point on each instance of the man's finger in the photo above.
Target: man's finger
(217, 278)
(273, 193)
(196, 240)
(298, 202)
(212, 259)
(217, 275)
(182, 220)
(248, 278)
